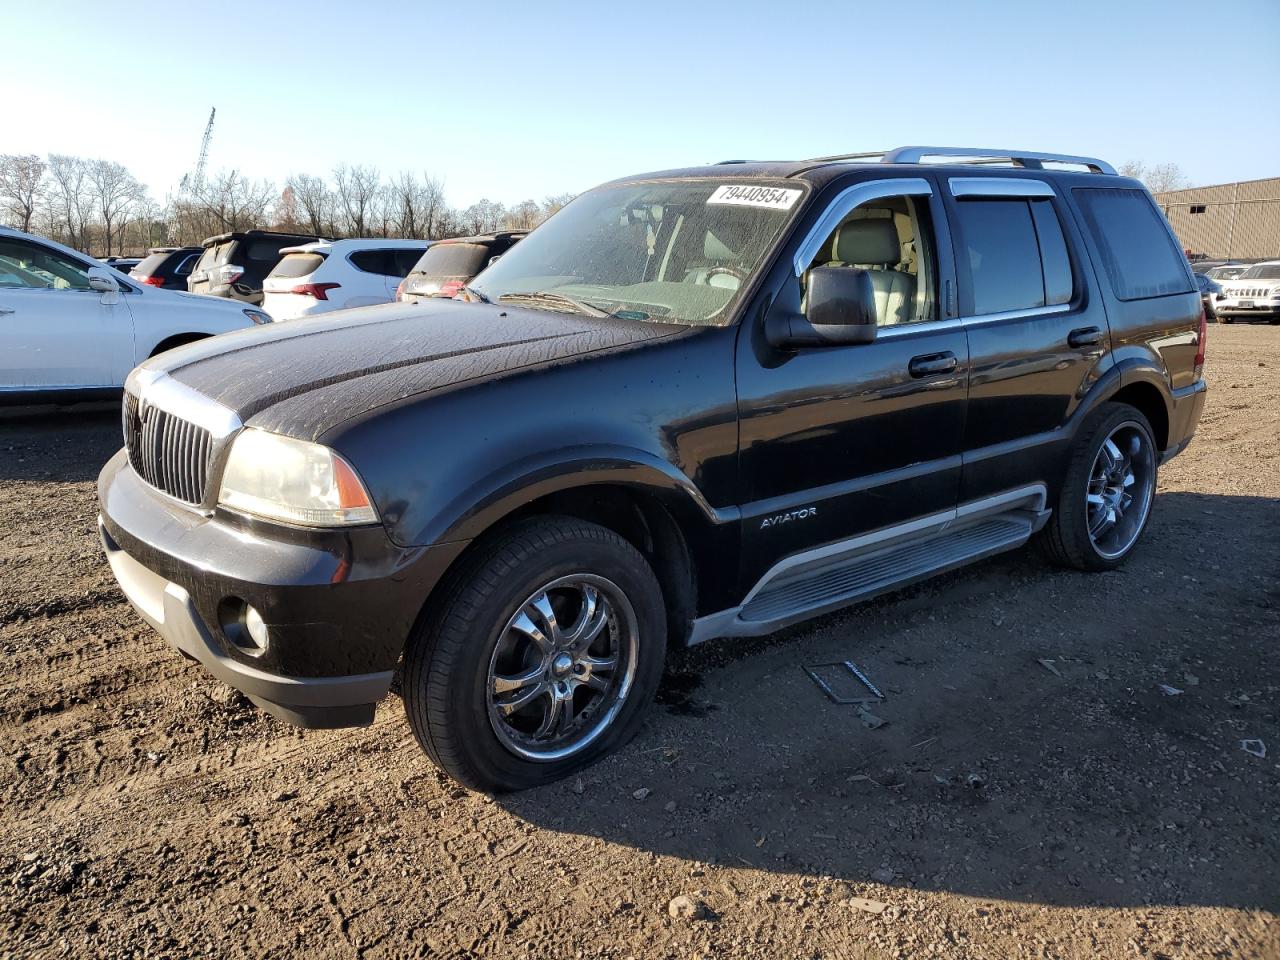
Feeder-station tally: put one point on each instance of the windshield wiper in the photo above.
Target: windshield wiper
(472, 291)
(547, 298)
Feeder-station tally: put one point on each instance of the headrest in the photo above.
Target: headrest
(714, 249)
(867, 241)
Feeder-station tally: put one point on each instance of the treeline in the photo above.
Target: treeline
(99, 207)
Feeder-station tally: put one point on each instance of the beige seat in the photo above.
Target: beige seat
(873, 245)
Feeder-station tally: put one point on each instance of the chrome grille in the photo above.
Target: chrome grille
(1248, 292)
(168, 452)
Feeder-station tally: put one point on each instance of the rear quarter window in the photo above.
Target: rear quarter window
(453, 260)
(1137, 250)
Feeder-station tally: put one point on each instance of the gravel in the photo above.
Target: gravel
(1032, 793)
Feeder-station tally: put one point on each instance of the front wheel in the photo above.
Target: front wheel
(1107, 492)
(542, 657)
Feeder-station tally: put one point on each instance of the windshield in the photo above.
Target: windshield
(1226, 273)
(1263, 271)
(675, 251)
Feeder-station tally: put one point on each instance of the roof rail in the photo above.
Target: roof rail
(1032, 160)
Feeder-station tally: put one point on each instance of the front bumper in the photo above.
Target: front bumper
(1263, 309)
(339, 605)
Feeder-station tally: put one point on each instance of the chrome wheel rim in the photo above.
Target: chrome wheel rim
(1121, 487)
(562, 667)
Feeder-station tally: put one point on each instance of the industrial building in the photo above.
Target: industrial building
(1230, 221)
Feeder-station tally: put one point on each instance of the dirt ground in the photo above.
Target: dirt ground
(1034, 792)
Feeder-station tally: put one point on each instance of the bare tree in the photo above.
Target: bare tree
(406, 198)
(315, 202)
(115, 192)
(484, 216)
(357, 189)
(231, 201)
(286, 211)
(525, 215)
(21, 185)
(70, 202)
(1160, 178)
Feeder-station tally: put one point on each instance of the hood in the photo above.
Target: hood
(302, 377)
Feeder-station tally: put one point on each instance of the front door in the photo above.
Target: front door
(837, 441)
(55, 332)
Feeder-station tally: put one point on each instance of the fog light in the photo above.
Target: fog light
(254, 625)
(243, 625)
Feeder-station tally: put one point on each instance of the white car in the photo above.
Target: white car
(336, 274)
(71, 329)
(1253, 295)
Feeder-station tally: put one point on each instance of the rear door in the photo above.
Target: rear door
(55, 332)
(1037, 338)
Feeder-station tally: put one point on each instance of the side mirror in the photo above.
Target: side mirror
(841, 309)
(100, 279)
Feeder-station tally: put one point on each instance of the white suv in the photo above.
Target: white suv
(72, 329)
(336, 274)
(1254, 295)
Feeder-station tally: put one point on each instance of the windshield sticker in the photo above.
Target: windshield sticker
(775, 198)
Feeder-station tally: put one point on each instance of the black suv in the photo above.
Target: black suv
(235, 264)
(167, 267)
(700, 403)
(449, 265)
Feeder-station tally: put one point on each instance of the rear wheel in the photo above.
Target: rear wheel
(543, 656)
(1107, 492)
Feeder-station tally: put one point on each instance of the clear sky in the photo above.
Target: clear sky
(515, 100)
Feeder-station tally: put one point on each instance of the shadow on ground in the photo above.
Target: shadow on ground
(1029, 751)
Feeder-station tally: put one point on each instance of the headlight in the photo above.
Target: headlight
(281, 478)
(257, 316)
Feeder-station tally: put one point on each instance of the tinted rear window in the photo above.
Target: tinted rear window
(149, 265)
(453, 260)
(999, 242)
(1138, 252)
(297, 265)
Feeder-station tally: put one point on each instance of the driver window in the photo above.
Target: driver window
(891, 239)
(25, 264)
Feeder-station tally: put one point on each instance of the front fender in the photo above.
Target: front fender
(505, 490)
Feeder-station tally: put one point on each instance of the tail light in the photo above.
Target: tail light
(451, 288)
(1200, 339)
(148, 280)
(317, 290)
(229, 273)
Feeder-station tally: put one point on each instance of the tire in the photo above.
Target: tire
(1069, 538)
(468, 645)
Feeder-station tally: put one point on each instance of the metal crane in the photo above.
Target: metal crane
(194, 182)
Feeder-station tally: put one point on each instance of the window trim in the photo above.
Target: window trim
(844, 203)
(999, 187)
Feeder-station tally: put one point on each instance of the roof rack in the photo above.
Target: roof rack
(1032, 160)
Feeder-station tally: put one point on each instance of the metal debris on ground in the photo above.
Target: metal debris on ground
(1169, 691)
(812, 670)
(1048, 665)
(1255, 747)
(870, 719)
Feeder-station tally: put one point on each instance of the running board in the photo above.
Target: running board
(840, 574)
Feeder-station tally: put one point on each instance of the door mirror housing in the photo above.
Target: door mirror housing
(100, 279)
(840, 309)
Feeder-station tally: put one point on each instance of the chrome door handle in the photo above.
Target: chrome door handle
(1084, 337)
(931, 364)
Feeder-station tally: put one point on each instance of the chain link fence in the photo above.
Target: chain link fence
(1232, 221)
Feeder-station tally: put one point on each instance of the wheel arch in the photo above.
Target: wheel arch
(177, 340)
(655, 509)
(1142, 386)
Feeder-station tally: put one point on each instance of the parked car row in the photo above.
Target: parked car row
(1253, 294)
(72, 328)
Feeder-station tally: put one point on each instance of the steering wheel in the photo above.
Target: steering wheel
(737, 274)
